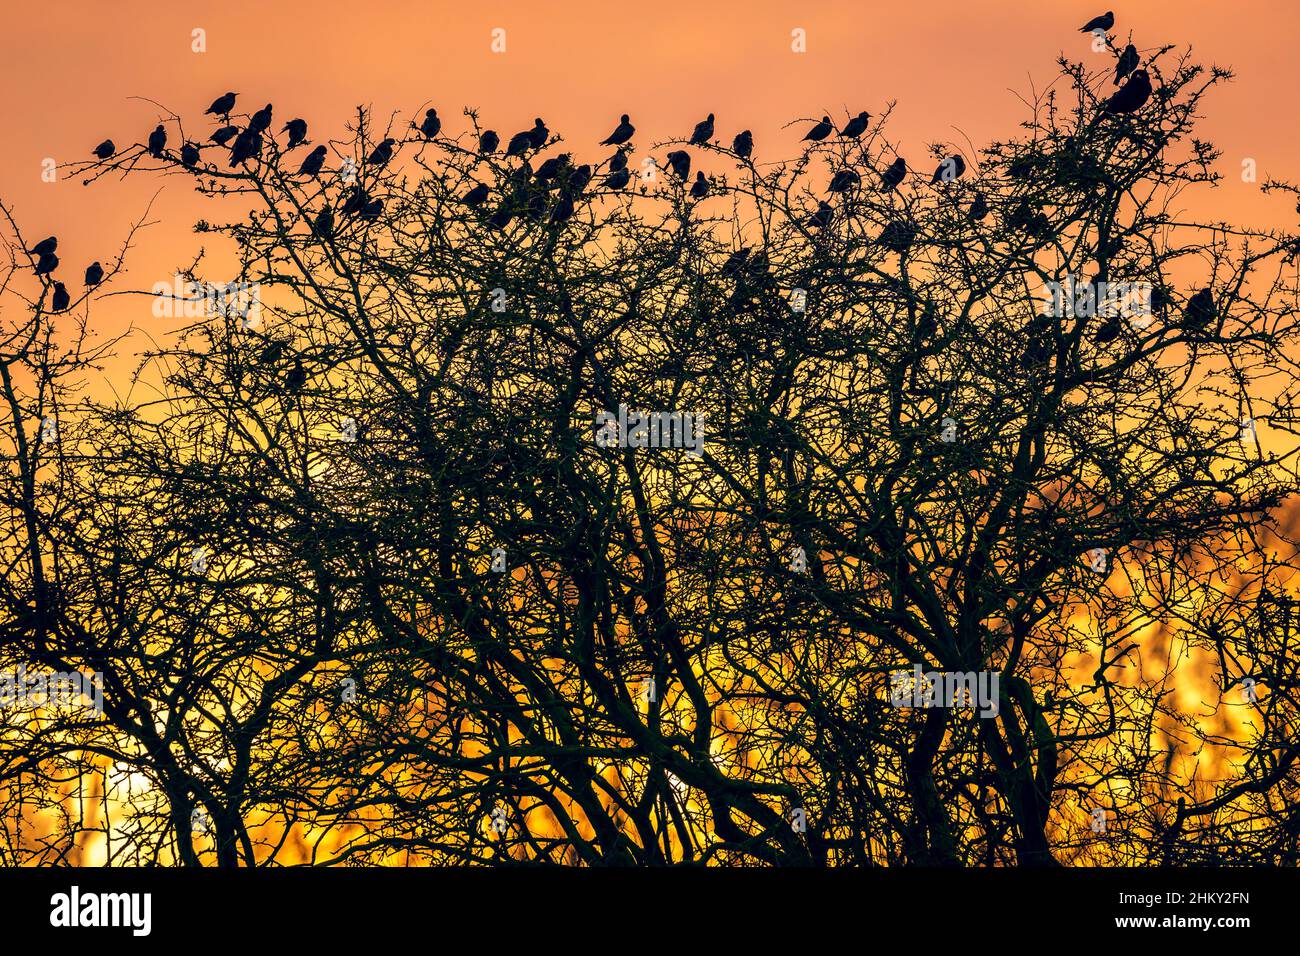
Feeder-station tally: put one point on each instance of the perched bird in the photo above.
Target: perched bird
(551, 168)
(296, 378)
(699, 188)
(501, 218)
(743, 144)
(1128, 61)
(488, 142)
(822, 217)
(1159, 300)
(94, 274)
(431, 125)
(105, 149)
(222, 105)
(978, 208)
(1038, 347)
(736, 261)
(47, 263)
(189, 155)
(476, 196)
(843, 181)
(892, 176)
(272, 353)
(1132, 95)
(618, 162)
(1102, 23)
(703, 132)
(520, 143)
(1200, 311)
(313, 163)
(680, 160)
(539, 133)
(820, 131)
(248, 144)
(618, 179)
(371, 210)
(261, 120)
(1110, 330)
(856, 126)
(297, 129)
(622, 133)
(61, 300)
(897, 237)
(382, 154)
(157, 141)
(224, 135)
(324, 225)
(579, 176)
(563, 210)
(45, 247)
(355, 202)
(951, 168)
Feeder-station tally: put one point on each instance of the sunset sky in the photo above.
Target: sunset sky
(73, 72)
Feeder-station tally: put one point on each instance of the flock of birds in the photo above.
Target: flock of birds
(529, 191)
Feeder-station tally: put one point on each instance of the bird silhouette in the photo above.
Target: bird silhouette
(1128, 61)
(618, 178)
(297, 129)
(94, 274)
(1132, 95)
(820, 131)
(47, 263)
(488, 142)
(539, 133)
(551, 168)
(856, 126)
(189, 155)
(618, 161)
(222, 105)
(261, 120)
(743, 144)
(105, 149)
(699, 188)
(272, 353)
(579, 177)
(1103, 23)
(157, 141)
(431, 125)
(978, 208)
(382, 154)
(843, 181)
(736, 261)
(297, 377)
(1200, 311)
(355, 202)
(622, 133)
(520, 143)
(248, 144)
(563, 210)
(324, 225)
(951, 168)
(224, 135)
(60, 300)
(371, 210)
(897, 237)
(892, 176)
(501, 218)
(822, 217)
(1110, 330)
(313, 163)
(680, 160)
(45, 247)
(703, 132)
(476, 196)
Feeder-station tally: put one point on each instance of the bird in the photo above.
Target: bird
(313, 163)
(699, 188)
(381, 154)
(224, 135)
(618, 179)
(324, 225)
(551, 168)
(501, 218)
(520, 143)
(371, 210)
(476, 196)
(822, 217)
(618, 161)
(897, 237)
(1128, 61)
(892, 176)
(736, 261)
(45, 247)
(703, 132)
(563, 209)
(297, 377)
(1102, 23)
(247, 145)
(355, 202)
(272, 353)
(47, 263)
(951, 168)
(61, 299)
(843, 181)
(261, 120)
(539, 133)
(222, 105)
(820, 131)
(1200, 311)
(189, 155)
(579, 176)
(430, 126)
(622, 133)
(680, 160)
(157, 141)
(978, 208)
(105, 149)
(94, 274)
(297, 129)
(1109, 331)
(489, 141)
(1132, 95)
(743, 144)
(856, 126)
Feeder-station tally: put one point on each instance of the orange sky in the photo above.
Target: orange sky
(70, 74)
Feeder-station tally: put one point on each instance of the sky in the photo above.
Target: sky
(77, 73)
